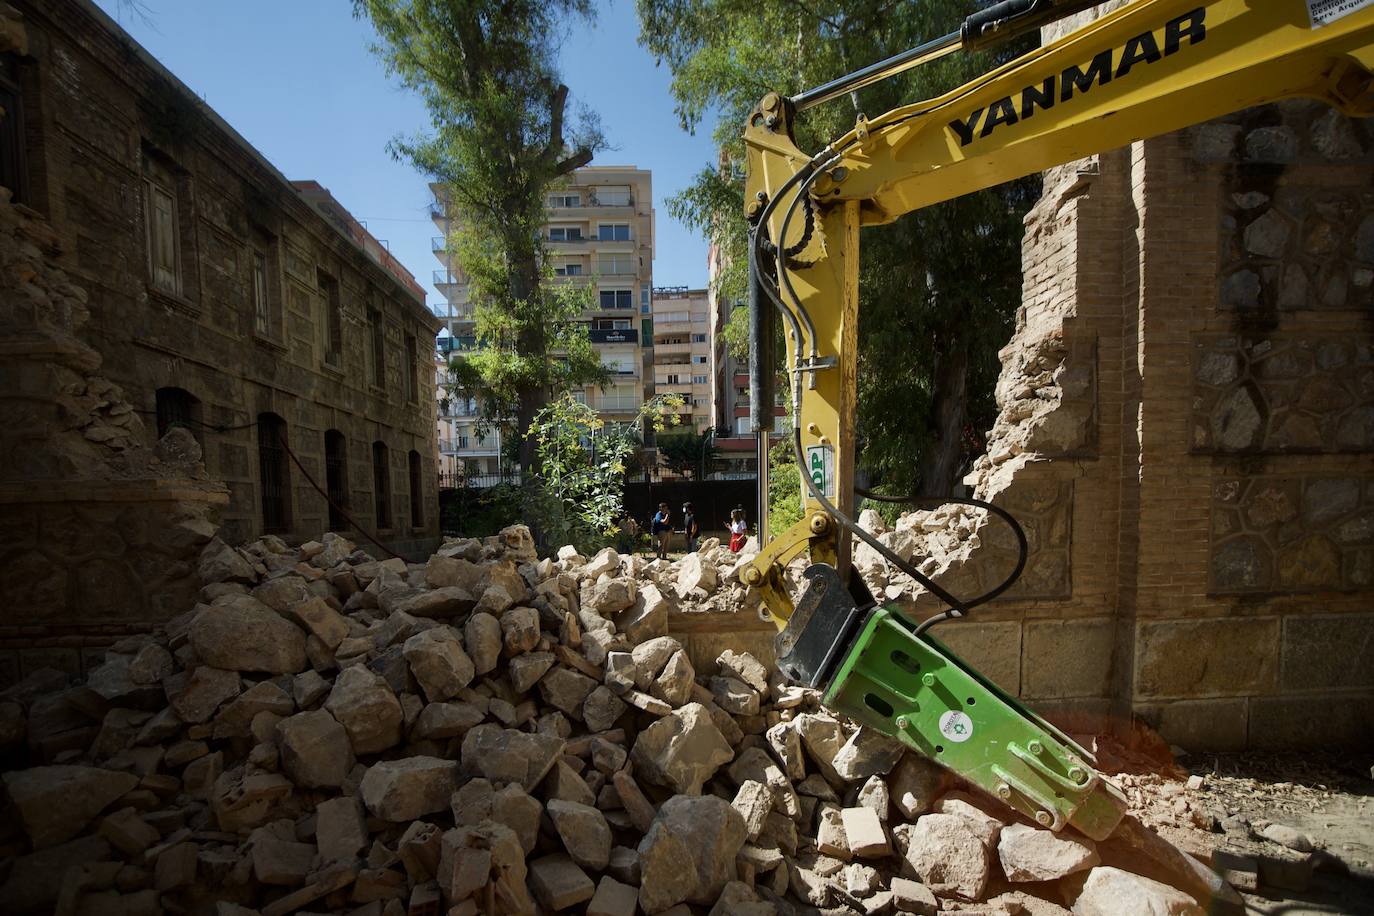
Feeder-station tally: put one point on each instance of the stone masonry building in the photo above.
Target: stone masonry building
(222, 297)
(1187, 433)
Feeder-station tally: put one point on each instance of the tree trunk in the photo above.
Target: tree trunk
(532, 341)
(948, 406)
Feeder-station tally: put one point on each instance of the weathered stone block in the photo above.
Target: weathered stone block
(1202, 658)
(1068, 658)
(1328, 652)
(992, 648)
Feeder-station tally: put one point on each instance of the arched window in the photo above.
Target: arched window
(177, 407)
(417, 514)
(336, 477)
(275, 474)
(381, 485)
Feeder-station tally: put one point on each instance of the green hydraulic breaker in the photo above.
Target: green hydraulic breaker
(872, 666)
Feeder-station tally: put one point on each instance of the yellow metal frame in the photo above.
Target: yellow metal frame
(1148, 68)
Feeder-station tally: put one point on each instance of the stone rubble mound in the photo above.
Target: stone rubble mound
(491, 732)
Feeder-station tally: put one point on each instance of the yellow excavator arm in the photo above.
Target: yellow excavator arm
(1149, 67)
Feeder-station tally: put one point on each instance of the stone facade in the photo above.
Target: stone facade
(220, 299)
(1186, 427)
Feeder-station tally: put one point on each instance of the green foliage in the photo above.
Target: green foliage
(577, 495)
(688, 452)
(500, 138)
(784, 488)
(939, 288)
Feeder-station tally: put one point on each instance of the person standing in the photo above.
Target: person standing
(661, 528)
(690, 527)
(739, 530)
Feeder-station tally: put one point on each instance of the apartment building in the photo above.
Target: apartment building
(682, 351)
(599, 233)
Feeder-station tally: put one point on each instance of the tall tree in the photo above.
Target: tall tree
(501, 137)
(939, 288)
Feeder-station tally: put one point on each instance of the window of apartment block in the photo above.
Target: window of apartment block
(568, 270)
(463, 439)
(613, 196)
(565, 199)
(378, 331)
(262, 306)
(619, 365)
(381, 485)
(698, 338)
(417, 499)
(673, 380)
(565, 233)
(616, 265)
(333, 318)
(411, 382)
(614, 299)
(698, 380)
(336, 477)
(613, 232)
(14, 172)
(610, 324)
(700, 360)
(176, 407)
(741, 426)
(274, 474)
(645, 301)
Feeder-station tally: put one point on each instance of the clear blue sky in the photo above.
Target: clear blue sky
(296, 79)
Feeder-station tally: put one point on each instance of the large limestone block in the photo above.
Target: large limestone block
(945, 853)
(584, 832)
(437, 660)
(689, 853)
(56, 803)
(1032, 854)
(1111, 891)
(315, 750)
(364, 705)
(246, 635)
(681, 750)
(507, 755)
(410, 788)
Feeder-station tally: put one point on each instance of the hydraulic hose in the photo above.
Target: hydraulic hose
(806, 176)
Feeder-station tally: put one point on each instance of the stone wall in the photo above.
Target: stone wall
(1187, 421)
(104, 125)
(99, 533)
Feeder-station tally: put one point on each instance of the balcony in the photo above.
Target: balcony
(456, 344)
(443, 278)
(614, 336)
(620, 372)
(590, 202)
(438, 243)
(617, 404)
(469, 446)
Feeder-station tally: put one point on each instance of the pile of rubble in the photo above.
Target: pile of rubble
(490, 732)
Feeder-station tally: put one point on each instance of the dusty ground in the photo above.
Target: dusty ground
(1327, 798)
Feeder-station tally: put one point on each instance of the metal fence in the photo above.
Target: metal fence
(457, 480)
